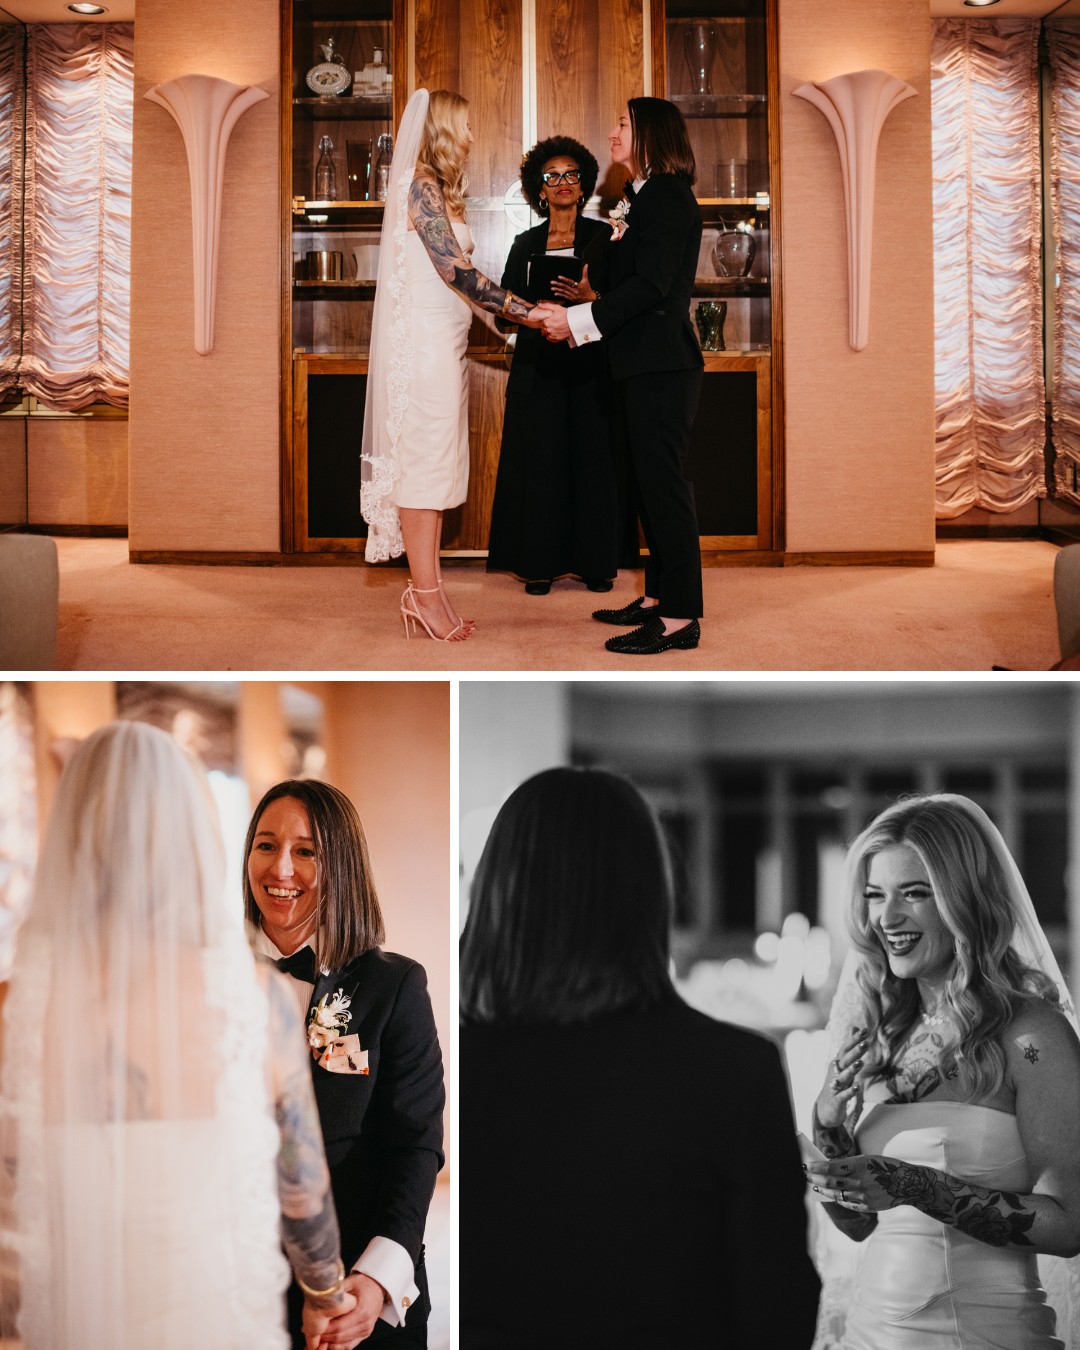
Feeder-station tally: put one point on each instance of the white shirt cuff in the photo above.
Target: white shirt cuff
(389, 1264)
(582, 328)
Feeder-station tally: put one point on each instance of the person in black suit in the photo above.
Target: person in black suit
(558, 508)
(629, 1169)
(644, 319)
(376, 1064)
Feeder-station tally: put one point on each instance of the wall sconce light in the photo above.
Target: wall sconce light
(205, 109)
(88, 9)
(856, 106)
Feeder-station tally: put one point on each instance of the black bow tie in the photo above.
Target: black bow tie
(301, 965)
(629, 189)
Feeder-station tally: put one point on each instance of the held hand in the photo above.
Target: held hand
(856, 1183)
(358, 1321)
(555, 324)
(535, 317)
(842, 1093)
(319, 1313)
(575, 290)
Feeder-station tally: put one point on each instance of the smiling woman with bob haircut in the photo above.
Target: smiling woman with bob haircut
(951, 1107)
(607, 1130)
(310, 894)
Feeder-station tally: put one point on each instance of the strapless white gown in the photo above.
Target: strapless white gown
(922, 1285)
(433, 450)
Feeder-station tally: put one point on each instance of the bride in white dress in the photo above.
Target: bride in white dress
(148, 1187)
(415, 456)
(951, 1111)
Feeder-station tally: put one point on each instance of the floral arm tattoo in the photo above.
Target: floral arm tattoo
(309, 1226)
(998, 1218)
(427, 210)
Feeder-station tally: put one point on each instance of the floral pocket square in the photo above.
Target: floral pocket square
(344, 1056)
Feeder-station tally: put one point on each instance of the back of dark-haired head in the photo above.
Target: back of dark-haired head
(571, 904)
(350, 921)
(661, 141)
(532, 166)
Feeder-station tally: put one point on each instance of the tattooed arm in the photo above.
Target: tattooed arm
(1043, 1068)
(427, 213)
(309, 1227)
(835, 1113)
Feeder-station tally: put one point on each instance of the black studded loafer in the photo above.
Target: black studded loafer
(629, 616)
(650, 639)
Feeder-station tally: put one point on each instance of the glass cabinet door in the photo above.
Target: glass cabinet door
(714, 60)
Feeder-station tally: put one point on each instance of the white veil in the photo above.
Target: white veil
(1060, 1276)
(390, 363)
(143, 1210)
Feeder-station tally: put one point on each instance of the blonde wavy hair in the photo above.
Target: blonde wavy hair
(989, 984)
(445, 147)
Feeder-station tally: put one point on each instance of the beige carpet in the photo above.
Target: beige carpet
(984, 603)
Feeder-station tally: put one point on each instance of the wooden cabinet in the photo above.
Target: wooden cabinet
(717, 61)
(529, 70)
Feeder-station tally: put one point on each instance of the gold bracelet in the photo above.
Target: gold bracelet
(325, 1293)
(508, 300)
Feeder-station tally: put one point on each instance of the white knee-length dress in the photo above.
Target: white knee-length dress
(433, 448)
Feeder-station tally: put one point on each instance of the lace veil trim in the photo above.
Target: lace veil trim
(390, 368)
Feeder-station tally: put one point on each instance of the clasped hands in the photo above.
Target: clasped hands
(350, 1320)
(855, 1182)
(551, 317)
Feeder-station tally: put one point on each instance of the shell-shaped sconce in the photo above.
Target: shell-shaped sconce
(856, 106)
(205, 109)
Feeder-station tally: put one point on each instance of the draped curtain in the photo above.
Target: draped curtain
(77, 221)
(1063, 45)
(990, 395)
(11, 95)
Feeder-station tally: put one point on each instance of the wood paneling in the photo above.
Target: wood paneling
(77, 471)
(12, 471)
(588, 63)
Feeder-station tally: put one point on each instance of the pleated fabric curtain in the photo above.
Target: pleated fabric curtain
(11, 120)
(76, 310)
(1063, 46)
(988, 352)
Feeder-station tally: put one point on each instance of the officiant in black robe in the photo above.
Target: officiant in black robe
(560, 504)
(375, 1057)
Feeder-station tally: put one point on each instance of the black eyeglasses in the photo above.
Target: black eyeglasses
(570, 176)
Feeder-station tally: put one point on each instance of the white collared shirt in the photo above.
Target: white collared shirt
(579, 317)
(382, 1260)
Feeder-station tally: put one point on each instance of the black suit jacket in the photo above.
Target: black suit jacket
(632, 1181)
(383, 1130)
(644, 314)
(533, 352)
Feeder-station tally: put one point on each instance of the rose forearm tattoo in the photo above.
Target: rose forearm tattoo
(427, 211)
(998, 1218)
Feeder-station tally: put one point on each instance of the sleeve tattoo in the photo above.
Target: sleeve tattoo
(998, 1218)
(309, 1227)
(427, 210)
(837, 1142)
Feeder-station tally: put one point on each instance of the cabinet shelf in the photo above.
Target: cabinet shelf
(720, 105)
(338, 214)
(349, 289)
(347, 107)
(722, 287)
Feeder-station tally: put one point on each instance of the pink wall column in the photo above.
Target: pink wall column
(388, 747)
(205, 429)
(859, 425)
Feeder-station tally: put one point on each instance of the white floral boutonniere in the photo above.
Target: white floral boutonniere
(617, 218)
(328, 1020)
